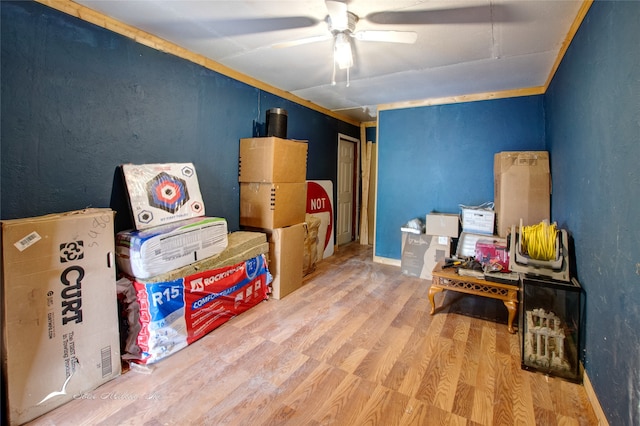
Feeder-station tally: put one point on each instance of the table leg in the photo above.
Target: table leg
(432, 292)
(512, 307)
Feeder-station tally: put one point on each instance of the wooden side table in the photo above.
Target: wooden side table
(448, 279)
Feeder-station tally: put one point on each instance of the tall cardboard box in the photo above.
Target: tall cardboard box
(286, 253)
(60, 319)
(272, 159)
(522, 188)
(272, 205)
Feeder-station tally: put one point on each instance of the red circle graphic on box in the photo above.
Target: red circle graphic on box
(167, 192)
(318, 201)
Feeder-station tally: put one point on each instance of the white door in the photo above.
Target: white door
(346, 169)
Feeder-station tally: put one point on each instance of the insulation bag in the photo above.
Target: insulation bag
(167, 316)
(154, 251)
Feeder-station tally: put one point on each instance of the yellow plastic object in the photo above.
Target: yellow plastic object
(539, 241)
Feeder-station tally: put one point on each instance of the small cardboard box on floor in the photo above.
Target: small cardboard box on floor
(60, 317)
(421, 253)
(286, 258)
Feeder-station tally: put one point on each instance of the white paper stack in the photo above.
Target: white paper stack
(154, 251)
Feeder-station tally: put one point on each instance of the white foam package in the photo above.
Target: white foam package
(154, 251)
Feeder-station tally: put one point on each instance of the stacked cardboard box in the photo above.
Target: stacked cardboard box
(273, 196)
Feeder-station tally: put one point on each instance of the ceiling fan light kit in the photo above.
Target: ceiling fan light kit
(342, 54)
(342, 28)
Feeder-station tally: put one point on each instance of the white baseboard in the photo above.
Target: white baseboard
(387, 261)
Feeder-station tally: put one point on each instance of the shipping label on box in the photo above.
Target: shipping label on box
(421, 253)
(162, 193)
(272, 159)
(60, 327)
(272, 205)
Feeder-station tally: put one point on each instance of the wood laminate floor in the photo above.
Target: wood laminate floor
(354, 346)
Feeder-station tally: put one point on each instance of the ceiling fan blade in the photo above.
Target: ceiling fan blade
(217, 28)
(338, 14)
(231, 27)
(407, 37)
(301, 41)
(453, 15)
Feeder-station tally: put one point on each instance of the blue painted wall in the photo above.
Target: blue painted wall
(436, 158)
(593, 133)
(78, 100)
(370, 134)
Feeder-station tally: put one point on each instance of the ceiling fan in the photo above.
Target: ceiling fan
(342, 28)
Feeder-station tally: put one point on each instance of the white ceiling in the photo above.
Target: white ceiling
(503, 45)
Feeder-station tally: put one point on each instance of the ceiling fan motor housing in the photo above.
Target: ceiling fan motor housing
(348, 27)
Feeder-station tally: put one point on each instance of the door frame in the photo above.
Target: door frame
(355, 219)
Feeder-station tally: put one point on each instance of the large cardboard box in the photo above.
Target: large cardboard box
(272, 159)
(286, 253)
(60, 317)
(272, 205)
(522, 188)
(421, 253)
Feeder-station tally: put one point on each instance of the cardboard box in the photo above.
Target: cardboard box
(421, 253)
(444, 224)
(272, 159)
(522, 188)
(478, 221)
(272, 205)
(60, 315)
(286, 252)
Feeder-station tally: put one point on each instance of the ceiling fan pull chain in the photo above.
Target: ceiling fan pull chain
(333, 75)
(348, 69)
